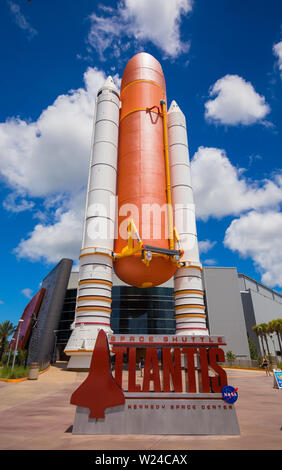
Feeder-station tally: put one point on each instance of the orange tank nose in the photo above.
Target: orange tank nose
(141, 181)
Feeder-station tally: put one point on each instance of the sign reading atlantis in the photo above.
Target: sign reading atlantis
(180, 393)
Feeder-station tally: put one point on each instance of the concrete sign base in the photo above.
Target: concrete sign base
(206, 416)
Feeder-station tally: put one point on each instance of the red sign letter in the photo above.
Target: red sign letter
(132, 387)
(119, 352)
(170, 370)
(191, 387)
(151, 362)
(204, 370)
(216, 354)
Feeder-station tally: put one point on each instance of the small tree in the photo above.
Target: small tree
(6, 329)
(21, 357)
(264, 329)
(259, 332)
(253, 352)
(264, 333)
(230, 356)
(5, 359)
(275, 326)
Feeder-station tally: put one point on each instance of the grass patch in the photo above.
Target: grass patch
(18, 372)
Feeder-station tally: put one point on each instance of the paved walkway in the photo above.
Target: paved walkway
(37, 415)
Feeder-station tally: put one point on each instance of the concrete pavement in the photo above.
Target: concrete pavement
(37, 415)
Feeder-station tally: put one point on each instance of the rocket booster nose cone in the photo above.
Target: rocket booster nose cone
(143, 59)
(143, 67)
(175, 115)
(109, 84)
(174, 108)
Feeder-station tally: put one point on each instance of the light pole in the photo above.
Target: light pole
(18, 335)
(13, 339)
(55, 346)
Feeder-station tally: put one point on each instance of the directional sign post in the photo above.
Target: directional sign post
(277, 377)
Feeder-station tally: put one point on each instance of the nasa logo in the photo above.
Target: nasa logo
(230, 394)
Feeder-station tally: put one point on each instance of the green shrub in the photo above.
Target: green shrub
(21, 357)
(4, 359)
(253, 352)
(230, 356)
(18, 372)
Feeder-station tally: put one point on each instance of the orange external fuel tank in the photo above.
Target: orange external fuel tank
(142, 176)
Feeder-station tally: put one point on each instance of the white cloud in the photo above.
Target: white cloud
(48, 160)
(21, 20)
(210, 262)
(59, 238)
(27, 293)
(277, 50)
(258, 235)
(156, 21)
(206, 245)
(52, 153)
(13, 204)
(236, 102)
(52, 242)
(220, 189)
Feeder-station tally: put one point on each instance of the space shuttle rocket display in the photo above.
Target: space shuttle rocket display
(140, 214)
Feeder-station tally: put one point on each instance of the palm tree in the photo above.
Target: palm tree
(259, 332)
(279, 322)
(269, 331)
(6, 329)
(275, 326)
(264, 333)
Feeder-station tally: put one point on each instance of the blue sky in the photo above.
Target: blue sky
(222, 62)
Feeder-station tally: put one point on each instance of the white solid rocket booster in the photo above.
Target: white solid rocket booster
(188, 285)
(94, 293)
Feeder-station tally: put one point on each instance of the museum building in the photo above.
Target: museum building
(234, 303)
